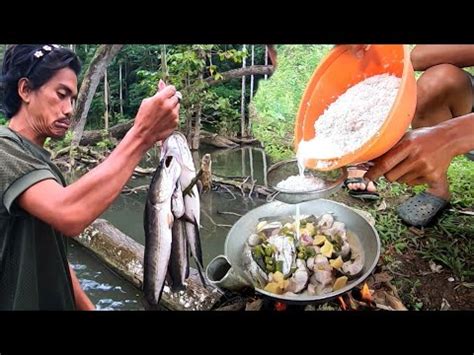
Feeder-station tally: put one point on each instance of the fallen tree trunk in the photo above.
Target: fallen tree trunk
(238, 73)
(242, 141)
(125, 256)
(118, 132)
(216, 140)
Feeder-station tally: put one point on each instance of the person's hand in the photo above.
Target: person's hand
(421, 157)
(158, 116)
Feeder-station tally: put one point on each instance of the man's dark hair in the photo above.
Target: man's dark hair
(37, 63)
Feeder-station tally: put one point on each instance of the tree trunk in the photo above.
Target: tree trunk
(252, 62)
(272, 54)
(217, 141)
(164, 64)
(249, 126)
(266, 61)
(251, 163)
(264, 159)
(242, 101)
(125, 256)
(103, 56)
(195, 120)
(238, 73)
(106, 101)
(118, 131)
(120, 90)
(197, 129)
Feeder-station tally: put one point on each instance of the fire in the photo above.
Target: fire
(358, 299)
(280, 306)
(343, 304)
(365, 293)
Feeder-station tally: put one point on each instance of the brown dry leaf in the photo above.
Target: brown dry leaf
(238, 305)
(416, 231)
(255, 305)
(385, 300)
(445, 306)
(434, 267)
(382, 277)
(382, 206)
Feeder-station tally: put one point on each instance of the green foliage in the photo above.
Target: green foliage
(3, 119)
(57, 144)
(389, 227)
(455, 249)
(461, 180)
(225, 118)
(221, 112)
(277, 100)
(407, 289)
(105, 143)
(121, 118)
(187, 67)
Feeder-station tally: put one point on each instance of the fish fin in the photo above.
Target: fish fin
(186, 218)
(198, 241)
(190, 193)
(198, 257)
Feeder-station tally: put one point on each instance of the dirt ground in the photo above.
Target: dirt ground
(418, 285)
(437, 290)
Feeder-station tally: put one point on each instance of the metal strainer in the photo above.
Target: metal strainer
(282, 170)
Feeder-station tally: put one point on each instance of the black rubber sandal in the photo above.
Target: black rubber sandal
(470, 155)
(421, 210)
(363, 195)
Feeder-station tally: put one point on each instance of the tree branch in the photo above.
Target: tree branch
(238, 73)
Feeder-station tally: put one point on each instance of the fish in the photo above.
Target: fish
(171, 222)
(177, 146)
(178, 270)
(254, 272)
(158, 225)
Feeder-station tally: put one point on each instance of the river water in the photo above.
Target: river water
(219, 209)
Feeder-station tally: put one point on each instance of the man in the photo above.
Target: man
(442, 128)
(37, 209)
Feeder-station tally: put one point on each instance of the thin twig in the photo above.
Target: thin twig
(128, 191)
(229, 177)
(241, 186)
(251, 189)
(214, 223)
(231, 213)
(228, 190)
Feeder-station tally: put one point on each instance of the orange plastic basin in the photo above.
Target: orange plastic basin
(341, 69)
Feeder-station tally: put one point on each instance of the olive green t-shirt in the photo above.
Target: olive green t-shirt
(34, 272)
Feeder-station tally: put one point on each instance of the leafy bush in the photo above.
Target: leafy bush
(275, 105)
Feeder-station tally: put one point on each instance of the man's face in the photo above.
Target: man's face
(51, 106)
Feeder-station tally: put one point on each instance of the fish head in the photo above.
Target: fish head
(176, 145)
(164, 182)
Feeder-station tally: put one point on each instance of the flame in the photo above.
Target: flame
(280, 306)
(343, 304)
(365, 293)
